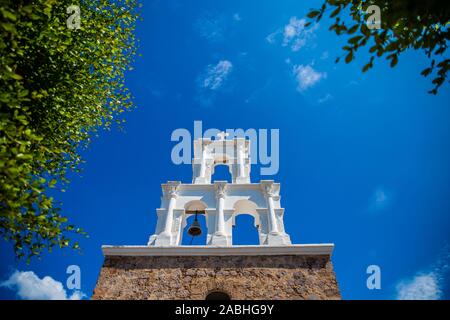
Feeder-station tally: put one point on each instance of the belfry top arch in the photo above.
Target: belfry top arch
(235, 153)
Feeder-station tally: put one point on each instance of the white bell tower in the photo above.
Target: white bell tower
(220, 201)
(272, 269)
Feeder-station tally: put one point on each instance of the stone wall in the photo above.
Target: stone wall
(193, 277)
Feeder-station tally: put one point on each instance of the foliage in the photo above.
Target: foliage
(58, 86)
(405, 24)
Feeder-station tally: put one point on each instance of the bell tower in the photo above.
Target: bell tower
(274, 268)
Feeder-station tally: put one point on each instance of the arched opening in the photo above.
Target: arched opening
(217, 295)
(221, 172)
(187, 239)
(244, 230)
(194, 205)
(246, 223)
(195, 212)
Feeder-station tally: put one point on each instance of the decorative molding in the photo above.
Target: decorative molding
(221, 188)
(270, 189)
(247, 250)
(222, 135)
(170, 189)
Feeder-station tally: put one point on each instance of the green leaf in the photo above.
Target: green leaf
(23, 93)
(349, 57)
(313, 14)
(16, 76)
(9, 27)
(354, 40)
(335, 12)
(426, 72)
(438, 81)
(367, 67)
(353, 29)
(394, 60)
(8, 15)
(373, 49)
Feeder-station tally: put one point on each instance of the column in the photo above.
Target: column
(167, 237)
(203, 163)
(169, 215)
(241, 161)
(275, 232)
(220, 236)
(273, 226)
(220, 221)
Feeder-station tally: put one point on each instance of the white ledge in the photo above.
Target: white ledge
(247, 250)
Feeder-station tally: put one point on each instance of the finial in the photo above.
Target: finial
(222, 135)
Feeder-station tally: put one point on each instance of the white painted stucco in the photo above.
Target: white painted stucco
(220, 201)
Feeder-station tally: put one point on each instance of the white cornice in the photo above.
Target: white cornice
(247, 250)
(255, 185)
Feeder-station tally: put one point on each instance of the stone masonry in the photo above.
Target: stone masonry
(241, 277)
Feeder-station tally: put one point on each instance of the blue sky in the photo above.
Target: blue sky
(364, 158)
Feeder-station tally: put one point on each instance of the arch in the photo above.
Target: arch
(186, 239)
(245, 206)
(217, 295)
(190, 208)
(195, 205)
(229, 178)
(245, 231)
(221, 158)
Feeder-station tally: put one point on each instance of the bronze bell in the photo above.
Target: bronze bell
(195, 230)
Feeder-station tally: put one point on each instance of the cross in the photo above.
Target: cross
(222, 135)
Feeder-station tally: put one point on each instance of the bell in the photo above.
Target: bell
(195, 230)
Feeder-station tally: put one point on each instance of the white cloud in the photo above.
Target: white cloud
(295, 34)
(421, 287)
(212, 28)
(325, 98)
(380, 199)
(428, 284)
(306, 76)
(216, 75)
(212, 81)
(324, 55)
(271, 38)
(216, 28)
(352, 83)
(30, 287)
(380, 196)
